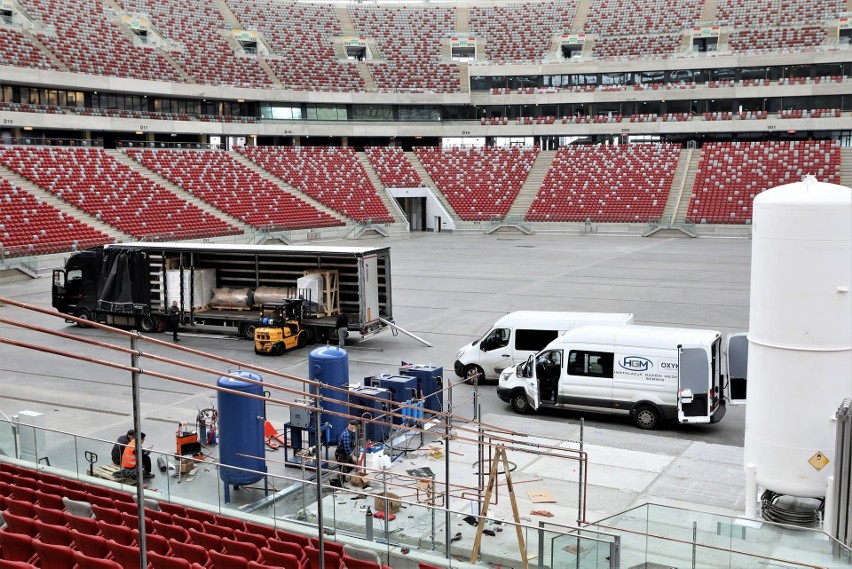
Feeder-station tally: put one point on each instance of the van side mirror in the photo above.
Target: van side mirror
(686, 396)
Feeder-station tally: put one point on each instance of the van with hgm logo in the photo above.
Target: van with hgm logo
(654, 374)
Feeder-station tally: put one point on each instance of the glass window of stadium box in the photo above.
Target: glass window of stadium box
(281, 112)
(373, 113)
(326, 113)
(478, 83)
(797, 71)
(419, 113)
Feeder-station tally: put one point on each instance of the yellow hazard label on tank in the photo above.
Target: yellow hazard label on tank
(818, 461)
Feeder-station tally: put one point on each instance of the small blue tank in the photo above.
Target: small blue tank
(241, 421)
(330, 366)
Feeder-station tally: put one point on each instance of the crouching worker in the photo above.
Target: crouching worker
(344, 454)
(128, 457)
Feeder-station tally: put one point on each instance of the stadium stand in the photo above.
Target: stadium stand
(97, 184)
(409, 39)
(331, 175)
(29, 226)
(731, 174)
(631, 46)
(217, 178)
(641, 17)
(767, 40)
(17, 50)
(301, 36)
(393, 168)
(520, 33)
(627, 183)
(198, 26)
(39, 539)
(88, 40)
(745, 13)
(479, 183)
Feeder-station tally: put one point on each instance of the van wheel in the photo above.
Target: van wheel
(148, 324)
(646, 417)
(520, 404)
(473, 373)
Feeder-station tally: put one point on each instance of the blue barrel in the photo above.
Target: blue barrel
(330, 366)
(241, 430)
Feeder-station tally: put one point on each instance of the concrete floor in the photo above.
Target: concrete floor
(448, 289)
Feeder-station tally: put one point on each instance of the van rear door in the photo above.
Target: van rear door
(694, 385)
(737, 350)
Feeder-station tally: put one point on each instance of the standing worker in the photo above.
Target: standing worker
(174, 320)
(342, 326)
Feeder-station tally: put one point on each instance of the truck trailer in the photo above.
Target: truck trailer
(133, 285)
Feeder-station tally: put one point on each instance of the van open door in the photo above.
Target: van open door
(737, 351)
(694, 385)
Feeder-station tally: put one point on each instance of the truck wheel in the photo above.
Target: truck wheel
(302, 339)
(646, 417)
(148, 324)
(247, 331)
(82, 314)
(520, 404)
(310, 336)
(473, 373)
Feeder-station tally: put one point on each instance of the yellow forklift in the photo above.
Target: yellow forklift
(280, 327)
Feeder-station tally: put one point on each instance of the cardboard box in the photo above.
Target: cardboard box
(186, 466)
(359, 480)
(392, 502)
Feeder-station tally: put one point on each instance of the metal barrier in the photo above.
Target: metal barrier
(841, 504)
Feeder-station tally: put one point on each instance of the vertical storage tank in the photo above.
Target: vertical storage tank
(800, 334)
(241, 422)
(329, 365)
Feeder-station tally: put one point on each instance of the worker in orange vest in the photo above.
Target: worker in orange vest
(128, 458)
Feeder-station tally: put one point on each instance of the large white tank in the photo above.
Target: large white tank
(800, 333)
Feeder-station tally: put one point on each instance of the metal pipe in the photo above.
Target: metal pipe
(140, 472)
(317, 463)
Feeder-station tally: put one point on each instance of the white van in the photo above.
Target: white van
(652, 373)
(518, 335)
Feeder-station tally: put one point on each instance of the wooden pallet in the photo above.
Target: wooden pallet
(106, 471)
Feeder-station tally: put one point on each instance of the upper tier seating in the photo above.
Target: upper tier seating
(731, 174)
(301, 34)
(199, 26)
(96, 183)
(659, 45)
(409, 38)
(393, 168)
(745, 13)
(521, 33)
(29, 226)
(331, 175)
(19, 51)
(88, 40)
(626, 183)
(215, 177)
(768, 40)
(480, 183)
(642, 17)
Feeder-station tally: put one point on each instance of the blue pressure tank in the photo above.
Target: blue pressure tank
(329, 365)
(241, 422)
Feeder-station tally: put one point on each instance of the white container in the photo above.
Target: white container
(313, 284)
(202, 285)
(800, 333)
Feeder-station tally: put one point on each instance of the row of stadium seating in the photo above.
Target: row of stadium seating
(87, 37)
(53, 523)
(217, 178)
(97, 184)
(627, 183)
